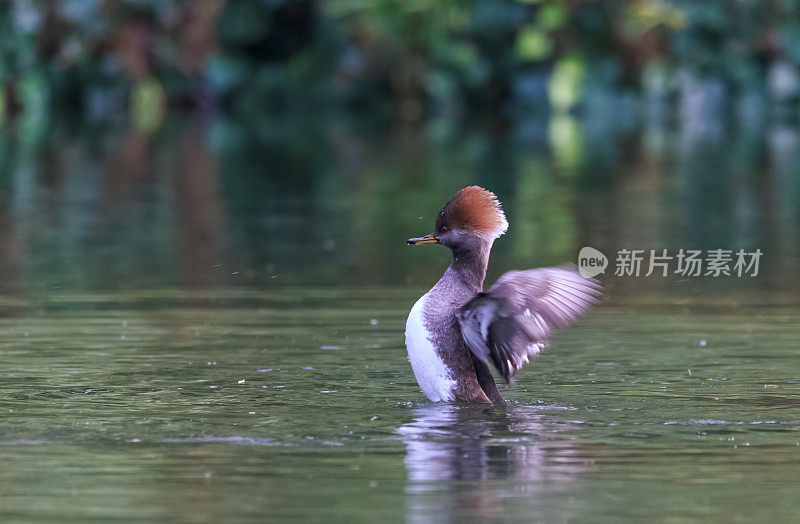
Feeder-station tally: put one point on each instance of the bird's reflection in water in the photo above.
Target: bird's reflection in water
(489, 461)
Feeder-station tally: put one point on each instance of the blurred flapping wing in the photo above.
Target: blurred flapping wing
(514, 319)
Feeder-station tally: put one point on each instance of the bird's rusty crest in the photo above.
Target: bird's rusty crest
(473, 208)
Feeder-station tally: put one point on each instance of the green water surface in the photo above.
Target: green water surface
(189, 333)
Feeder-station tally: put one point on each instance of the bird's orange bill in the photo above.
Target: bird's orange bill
(427, 239)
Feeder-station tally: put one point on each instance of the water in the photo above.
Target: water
(188, 334)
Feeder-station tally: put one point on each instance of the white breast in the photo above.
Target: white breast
(432, 375)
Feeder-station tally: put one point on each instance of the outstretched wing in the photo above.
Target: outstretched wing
(514, 319)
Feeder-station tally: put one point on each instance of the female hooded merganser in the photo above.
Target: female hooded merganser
(456, 328)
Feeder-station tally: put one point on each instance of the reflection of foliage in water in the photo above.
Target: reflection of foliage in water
(327, 201)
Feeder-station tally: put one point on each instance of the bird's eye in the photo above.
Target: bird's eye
(444, 228)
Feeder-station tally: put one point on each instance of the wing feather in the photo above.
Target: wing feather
(515, 318)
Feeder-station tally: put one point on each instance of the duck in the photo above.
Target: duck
(455, 331)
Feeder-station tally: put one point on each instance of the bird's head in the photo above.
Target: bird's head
(473, 215)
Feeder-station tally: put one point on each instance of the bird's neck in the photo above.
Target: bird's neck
(470, 262)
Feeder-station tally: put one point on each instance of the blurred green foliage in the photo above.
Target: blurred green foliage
(407, 59)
